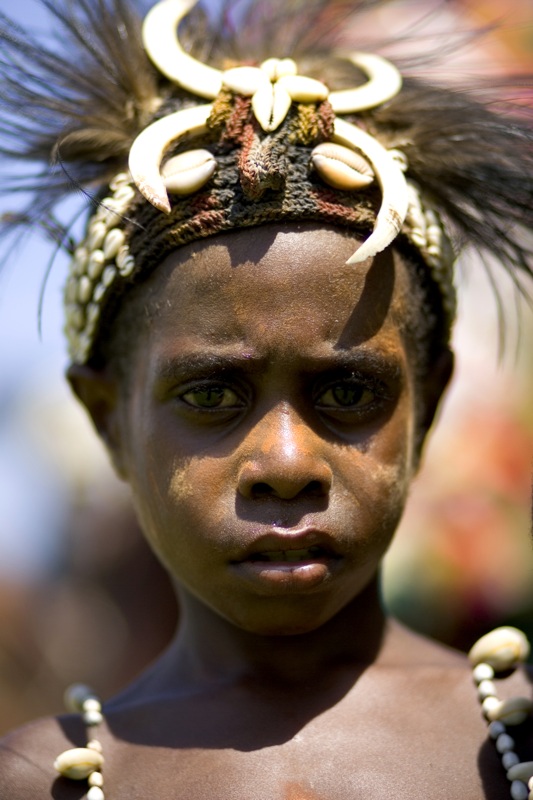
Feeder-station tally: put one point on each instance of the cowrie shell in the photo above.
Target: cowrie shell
(341, 167)
(188, 172)
(96, 264)
(113, 242)
(78, 763)
(244, 80)
(502, 648)
(270, 105)
(511, 712)
(277, 68)
(304, 90)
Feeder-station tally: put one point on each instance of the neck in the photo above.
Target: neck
(209, 650)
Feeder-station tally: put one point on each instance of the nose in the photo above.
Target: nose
(284, 459)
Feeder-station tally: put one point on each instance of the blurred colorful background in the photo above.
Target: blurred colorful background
(81, 597)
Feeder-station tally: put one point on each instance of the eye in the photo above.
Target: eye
(346, 395)
(211, 397)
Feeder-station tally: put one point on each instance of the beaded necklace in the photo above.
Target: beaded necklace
(497, 652)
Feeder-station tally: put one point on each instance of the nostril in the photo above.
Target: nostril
(261, 490)
(313, 488)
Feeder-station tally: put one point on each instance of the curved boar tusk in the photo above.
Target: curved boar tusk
(162, 44)
(393, 187)
(148, 148)
(384, 83)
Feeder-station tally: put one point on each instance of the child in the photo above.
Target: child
(258, 321)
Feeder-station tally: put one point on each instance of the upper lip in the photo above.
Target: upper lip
(283, 539)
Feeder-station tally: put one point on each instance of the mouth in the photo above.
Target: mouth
(305, 554)
(289, 561)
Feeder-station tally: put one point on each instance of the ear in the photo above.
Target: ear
(432, 389)
(97, 390)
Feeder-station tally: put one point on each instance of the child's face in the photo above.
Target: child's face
(269, 432)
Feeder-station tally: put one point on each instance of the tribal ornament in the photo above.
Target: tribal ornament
(258, 112)
(273, 88)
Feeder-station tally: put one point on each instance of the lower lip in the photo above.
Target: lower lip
(288, 576)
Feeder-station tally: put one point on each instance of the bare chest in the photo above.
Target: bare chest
(344, 759)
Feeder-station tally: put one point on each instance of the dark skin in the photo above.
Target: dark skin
(270, 433)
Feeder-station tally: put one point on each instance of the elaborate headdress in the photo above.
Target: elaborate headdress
(172, 149)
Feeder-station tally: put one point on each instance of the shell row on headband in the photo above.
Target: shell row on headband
(350, 160)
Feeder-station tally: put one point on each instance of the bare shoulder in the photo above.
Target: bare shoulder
(27, 757)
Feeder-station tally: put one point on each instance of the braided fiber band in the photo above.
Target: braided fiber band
(258, 179)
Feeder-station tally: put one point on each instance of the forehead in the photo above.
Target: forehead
(276, 284)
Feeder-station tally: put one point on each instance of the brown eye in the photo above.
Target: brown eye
(211, 397)
(348, 395)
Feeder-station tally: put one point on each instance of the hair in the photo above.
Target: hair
(82, 105)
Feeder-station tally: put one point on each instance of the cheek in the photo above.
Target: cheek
(179, 503)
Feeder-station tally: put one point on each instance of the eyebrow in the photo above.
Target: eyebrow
(205, 362)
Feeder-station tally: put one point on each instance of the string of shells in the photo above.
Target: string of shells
(97, 261)
(499, 651)
(84, 763)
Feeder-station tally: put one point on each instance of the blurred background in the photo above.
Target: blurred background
(81, 597)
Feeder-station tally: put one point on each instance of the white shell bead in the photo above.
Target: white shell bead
(79, 262)
(97, 232)
(92, 718)
(530, 783)
(109, 276)
(96, 779)
(513, 711)
(127, 266)
(530, 795)
(521, 772)
(95, 793)
(96, 264)
(99, 293)
(486, 689)
(92, 704)
(123, 197)
(94, 744)
(93, 313)
(489, 705)
(71, 290)
(501, 649)
(122, 179)
(121, 256)
(85, 289)
(483, 672)
(75, 317)
(111, 214)
(113, 242)
(519, 791)
(78, 763)
(504, 743)
(509, 760)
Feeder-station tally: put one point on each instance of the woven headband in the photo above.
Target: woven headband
(271, 145)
